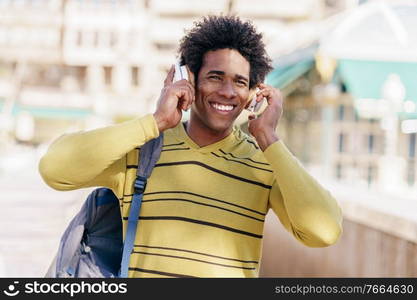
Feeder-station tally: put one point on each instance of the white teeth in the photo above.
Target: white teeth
(222, 107)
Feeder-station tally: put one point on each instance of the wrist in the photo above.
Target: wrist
(264, 139)
(160, 122)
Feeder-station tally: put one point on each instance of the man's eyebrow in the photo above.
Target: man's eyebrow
(237, 76)
(215, 72)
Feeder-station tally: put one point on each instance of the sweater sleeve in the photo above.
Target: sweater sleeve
(96, 157)
(303, 206)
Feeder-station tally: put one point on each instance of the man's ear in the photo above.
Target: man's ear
(252, 93)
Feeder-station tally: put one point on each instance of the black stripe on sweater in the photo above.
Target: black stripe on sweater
(241, 162)
(199, 203)
(193, 259)
(202, 196)
(247, 158)
(199, 253)
(253, 143)
(175, 149)
(199, 222)
(138, 148)
(161, 273)
(182, 143)
(214, 170)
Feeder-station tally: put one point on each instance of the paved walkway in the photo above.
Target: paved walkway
(32, 219)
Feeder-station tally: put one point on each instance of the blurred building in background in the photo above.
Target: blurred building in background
(346, 68)
(350, 111)
(77, 64)
(375, 50)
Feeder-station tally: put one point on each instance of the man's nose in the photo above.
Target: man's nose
(227, 90)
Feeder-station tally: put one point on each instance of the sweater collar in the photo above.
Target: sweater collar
(224, 143)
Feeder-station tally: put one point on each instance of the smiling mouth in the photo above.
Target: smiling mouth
(224, 108)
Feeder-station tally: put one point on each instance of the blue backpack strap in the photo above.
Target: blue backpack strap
(149, 155)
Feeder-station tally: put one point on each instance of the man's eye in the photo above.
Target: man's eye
(215, 77)
(241, 83)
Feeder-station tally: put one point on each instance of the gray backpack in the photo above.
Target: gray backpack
(92, 244)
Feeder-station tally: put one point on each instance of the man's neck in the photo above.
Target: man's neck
(202, 135)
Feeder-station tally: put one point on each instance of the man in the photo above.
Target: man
(204, 207)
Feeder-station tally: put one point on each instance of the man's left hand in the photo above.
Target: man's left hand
(263, 127)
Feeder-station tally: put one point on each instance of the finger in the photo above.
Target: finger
(263, 94)
(170, 76)
(191, 86)
(184, 97)
(252, 117)
(270, 90)
(191, 94)
(263, 86)
(191, 101)
(184, 82)
(270, 95)
(187, 100)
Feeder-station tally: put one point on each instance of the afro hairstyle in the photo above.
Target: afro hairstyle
(225, 32)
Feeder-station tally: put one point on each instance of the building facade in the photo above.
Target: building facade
(75, 64)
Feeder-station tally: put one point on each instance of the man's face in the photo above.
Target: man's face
(222, 90)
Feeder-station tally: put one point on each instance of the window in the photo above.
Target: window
(108, 75)
(339, 171)
(370, 176)
(341, 142)
(412, 145)
(371, 141)
(135, 76)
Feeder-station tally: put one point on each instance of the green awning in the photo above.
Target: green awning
(280, 77)
(289, 67)
(50, 112)
(364, 79)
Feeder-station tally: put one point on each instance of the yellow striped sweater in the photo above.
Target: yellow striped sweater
(204, 208)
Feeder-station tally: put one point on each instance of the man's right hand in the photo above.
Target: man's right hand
(175, 97)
